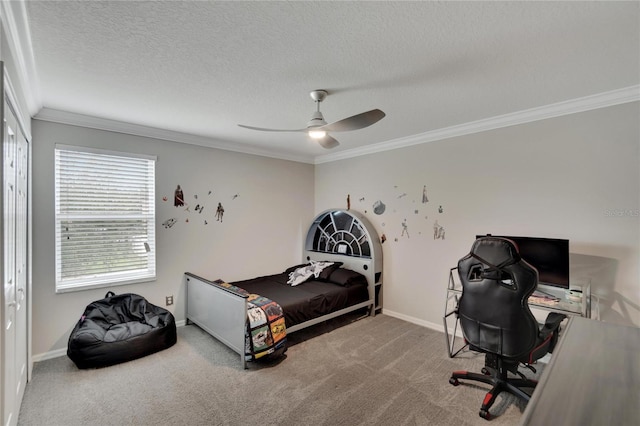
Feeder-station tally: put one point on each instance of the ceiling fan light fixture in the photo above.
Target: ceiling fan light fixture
(317, 128)
(317, 134)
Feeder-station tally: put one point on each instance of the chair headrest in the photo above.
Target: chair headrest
(496, 250)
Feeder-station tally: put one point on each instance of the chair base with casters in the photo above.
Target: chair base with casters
(495, 373)
(496, 369)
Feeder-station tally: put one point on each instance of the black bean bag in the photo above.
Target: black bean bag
(120, 328)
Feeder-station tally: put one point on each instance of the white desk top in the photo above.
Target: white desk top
(593, 378)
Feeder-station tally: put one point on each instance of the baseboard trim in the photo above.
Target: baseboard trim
(56, 353)
(428, 324)
(413, 320)
(420, 322)
(49, 355)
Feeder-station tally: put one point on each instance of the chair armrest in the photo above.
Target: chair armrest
(551, 324)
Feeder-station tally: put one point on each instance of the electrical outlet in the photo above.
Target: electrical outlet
(169, 300)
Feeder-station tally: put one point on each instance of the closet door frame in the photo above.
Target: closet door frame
(15, 344)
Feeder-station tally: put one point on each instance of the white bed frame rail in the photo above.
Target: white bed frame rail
(219, 311)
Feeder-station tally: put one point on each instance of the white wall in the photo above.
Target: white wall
(575, 177)
(262, 229)
(572, 177)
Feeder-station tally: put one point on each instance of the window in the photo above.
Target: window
(105, 218)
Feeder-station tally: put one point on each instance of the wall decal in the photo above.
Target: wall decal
(165, 198)
(348, 202)
(379, 207)
(383, 238)
(405, 230)
(424, 195)
(178, 197)
(199, 208)
(195, 196)
(438, 231)
(219, 212)
(235, 196)
(169, 222)
(440, 209)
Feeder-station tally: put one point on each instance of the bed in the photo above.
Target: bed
(342, 237)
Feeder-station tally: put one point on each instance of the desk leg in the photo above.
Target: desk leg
(451, 340)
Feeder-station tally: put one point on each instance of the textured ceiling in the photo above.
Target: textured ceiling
(203, 67)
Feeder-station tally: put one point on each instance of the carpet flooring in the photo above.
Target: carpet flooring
(374, 371)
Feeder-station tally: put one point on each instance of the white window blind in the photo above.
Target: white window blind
(105, 218)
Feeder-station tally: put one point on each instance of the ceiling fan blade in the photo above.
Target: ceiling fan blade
(328, 142)
(355, 122)
(262, 129)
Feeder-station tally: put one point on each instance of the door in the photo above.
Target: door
(22, 152)
(14, 268)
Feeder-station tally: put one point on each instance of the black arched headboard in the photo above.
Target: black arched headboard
(347, 236)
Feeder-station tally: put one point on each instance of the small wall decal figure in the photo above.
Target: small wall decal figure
(199, 208)
(440, 209)
(169, 223)
(164, 198)
(178, 197)
(438, 231)
(383, 239)
(348, 201)
(405, 230)
(424, 194)
(235, 196)
(379, 207)
(219, 212)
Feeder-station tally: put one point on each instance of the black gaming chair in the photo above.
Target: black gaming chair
(495, 318)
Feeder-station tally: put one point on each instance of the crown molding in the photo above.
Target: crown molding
(587, 103)
(16, 30)
(74, 119)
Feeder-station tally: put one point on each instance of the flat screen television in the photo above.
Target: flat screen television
(550, 256)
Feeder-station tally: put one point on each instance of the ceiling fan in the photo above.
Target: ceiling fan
(318, 129)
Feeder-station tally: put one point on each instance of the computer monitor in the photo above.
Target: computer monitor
(550, 256)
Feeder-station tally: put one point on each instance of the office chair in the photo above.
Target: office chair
(495, 318)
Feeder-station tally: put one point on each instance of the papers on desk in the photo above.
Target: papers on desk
(540, 298)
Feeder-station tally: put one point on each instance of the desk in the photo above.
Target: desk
(593, 377)
(563, 305)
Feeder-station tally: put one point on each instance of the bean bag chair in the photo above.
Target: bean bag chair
(120, 328)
